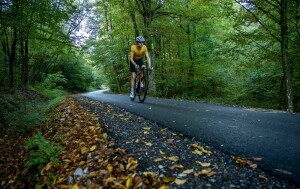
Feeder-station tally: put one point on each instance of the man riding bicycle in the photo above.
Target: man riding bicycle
(137, 52)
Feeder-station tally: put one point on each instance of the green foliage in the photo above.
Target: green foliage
(53, 86)
(22, 110)
(52, 93)
(26, 108)
(199, 49)
(53, 104)
(41, 151)
(55, 81)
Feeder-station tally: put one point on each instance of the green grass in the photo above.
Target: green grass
(53, 104)
(27, 108)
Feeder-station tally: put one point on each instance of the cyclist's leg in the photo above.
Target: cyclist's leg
(132, 81)
(141, 63)
(133, 76)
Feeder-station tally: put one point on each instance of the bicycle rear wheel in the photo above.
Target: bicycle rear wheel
(143, 88)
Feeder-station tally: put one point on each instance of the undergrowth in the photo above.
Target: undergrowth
(26, 108)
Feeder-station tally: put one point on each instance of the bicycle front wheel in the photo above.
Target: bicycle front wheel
(143, 88)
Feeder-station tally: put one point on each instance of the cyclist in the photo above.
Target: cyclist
(136, 60)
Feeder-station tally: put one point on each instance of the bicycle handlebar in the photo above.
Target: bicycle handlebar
(144, 68)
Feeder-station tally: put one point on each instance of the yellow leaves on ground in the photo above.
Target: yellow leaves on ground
(172, 158)
(263, 178)
(84, 150)
(75, 186)
(93, 148)
(203, 164)
(110, 168)
(207, 172)
(148, 144)
(197, 152)
(167, 179)
(176, 167)
(200, 148)
(163, 187)
(129, 183)
(246, 161)
(132, 164)
(46, 168)
(188, 171)
(158, 159)
(180, 181)
(86, 146)
(146, 130)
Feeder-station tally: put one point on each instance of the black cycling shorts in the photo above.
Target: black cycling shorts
(138, 62)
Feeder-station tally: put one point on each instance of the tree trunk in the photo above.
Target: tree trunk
(24, 58)
(117, 79)
(191, 71)
(284, 55)
(12, 58)
(136, 31)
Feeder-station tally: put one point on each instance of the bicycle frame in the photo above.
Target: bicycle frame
(141, 90)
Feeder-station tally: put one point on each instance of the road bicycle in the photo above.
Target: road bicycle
(141, 84)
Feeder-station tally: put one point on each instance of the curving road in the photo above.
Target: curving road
(272, 135)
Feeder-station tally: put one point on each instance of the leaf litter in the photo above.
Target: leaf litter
(174, 159)
(108, 147)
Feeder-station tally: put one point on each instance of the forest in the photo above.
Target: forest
(237, 52)
(242, 53)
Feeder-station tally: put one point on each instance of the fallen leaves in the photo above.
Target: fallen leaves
(176, 167)
(201, 149)
(207, 172)
(203, 164)
(246, 161)
(88, 155)
(103, 165)
(172, 158)
(180, 181)
(188, 171)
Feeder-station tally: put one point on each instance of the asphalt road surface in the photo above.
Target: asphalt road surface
(271, 135)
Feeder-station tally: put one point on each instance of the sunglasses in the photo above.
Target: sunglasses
(139, 41)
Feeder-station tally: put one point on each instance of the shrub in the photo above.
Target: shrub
(55, 81)
(41, 151)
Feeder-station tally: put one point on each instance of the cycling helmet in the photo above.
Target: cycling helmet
(140, 38)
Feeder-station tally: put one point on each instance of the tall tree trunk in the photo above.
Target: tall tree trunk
(5, 48)
(24, 58)
(12, 58)
(136, 31)
(191, 71)
(117, 78)
(284, 55)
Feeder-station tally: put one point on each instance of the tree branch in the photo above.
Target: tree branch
(262, 24)
(268, 14)
(277, 7)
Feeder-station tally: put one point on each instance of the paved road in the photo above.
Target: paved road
(272, 135)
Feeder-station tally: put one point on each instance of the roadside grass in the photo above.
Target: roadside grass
(23, 110)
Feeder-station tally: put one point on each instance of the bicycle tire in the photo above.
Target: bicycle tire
(143, 90)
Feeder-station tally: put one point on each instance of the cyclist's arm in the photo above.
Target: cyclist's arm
(148, 59)
(131, 59)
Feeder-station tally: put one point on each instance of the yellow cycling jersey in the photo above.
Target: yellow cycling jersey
(138, 52)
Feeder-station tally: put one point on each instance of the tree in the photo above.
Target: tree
(274, 18)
